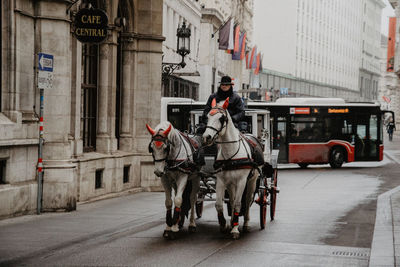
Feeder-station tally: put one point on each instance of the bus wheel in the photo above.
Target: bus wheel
(303, 165)
(337, 157)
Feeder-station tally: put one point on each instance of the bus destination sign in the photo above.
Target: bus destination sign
(91, 25)
(338, 110)
(299, 110)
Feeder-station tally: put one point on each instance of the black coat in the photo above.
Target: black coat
(235, 107)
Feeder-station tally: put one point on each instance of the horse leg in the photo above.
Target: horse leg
(180, 187)
(219, 205)
(251, 187)
(193, 199)
(241, 184)
(168, 206)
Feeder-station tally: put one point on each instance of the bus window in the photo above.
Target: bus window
(305, 129)
(373, 136)
(260, 125)
(280, 141)
(347, 127)
(373, 127)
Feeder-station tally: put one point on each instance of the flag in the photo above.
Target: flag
(238, 55)
(243, 45)
(247, 60)
(226, 36)
(237, 39)
(257, 69)
(386, 99)
(261, 60)
(253, 58)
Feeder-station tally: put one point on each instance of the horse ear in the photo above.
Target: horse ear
(214, 103)
(226, 103)
(166, 132)
(151, 131)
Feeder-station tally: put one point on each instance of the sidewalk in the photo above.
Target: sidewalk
(385, 247)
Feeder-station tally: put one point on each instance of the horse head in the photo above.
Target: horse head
(160, 146)
(217, 120)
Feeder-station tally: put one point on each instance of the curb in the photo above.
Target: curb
(382, 246)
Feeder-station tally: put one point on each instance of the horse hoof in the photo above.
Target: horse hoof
(192, 229)
(246, 229)
(167, 234)
(235, 236)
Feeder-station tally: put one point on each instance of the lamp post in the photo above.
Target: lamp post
(182, 48)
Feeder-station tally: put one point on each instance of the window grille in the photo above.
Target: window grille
(127, 169)
(98, 179)
(90, 55)
(3, 171)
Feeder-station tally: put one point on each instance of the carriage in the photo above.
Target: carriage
(249, 175)
(256, 124)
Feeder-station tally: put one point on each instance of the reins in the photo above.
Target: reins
(224, 124)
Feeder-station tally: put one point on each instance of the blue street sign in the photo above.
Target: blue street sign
(46, 62)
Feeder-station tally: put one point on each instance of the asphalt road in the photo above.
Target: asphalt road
(324, 217)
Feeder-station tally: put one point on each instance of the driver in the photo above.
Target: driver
(235, 107)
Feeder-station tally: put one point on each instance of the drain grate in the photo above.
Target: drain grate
(350, 254)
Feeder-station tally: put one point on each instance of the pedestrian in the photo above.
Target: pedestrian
(235, 107)
(390, 128)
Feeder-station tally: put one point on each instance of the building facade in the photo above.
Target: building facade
(183, 82)
(215, 63)
(95, 113)
(393, 88)
(334, 43)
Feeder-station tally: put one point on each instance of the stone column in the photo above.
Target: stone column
(106, 141)
(102, 144)
(126, 103)
(53, 36)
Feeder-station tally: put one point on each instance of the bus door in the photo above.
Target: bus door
(279, 136)
(366, 137)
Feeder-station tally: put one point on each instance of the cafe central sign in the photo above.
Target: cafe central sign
(91, 25)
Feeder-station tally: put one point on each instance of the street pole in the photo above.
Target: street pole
(45, 81)
(40, 160)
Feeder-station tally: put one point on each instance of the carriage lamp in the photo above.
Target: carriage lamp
(182, 48)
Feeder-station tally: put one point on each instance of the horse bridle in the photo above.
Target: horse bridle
(159, 138)
(223, 120)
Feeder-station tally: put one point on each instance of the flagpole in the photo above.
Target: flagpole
(212, 35)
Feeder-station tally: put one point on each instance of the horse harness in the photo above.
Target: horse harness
(231, 163)
(182, 165)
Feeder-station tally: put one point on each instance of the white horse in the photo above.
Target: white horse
(232, 148)
(173, 162)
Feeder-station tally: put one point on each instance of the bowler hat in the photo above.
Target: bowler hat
(226, 80)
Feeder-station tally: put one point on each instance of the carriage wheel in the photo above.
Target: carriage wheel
(273, 195)
(199, 208)
(263, 208)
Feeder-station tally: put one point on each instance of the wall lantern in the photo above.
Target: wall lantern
(182, 48)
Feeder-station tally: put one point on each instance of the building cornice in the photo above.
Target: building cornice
(370, 72)
(210, 14)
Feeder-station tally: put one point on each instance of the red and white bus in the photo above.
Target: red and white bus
(311, 130)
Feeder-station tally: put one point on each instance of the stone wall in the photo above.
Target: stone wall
(30, 27)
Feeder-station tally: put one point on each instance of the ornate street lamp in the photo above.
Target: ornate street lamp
(182, 48)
